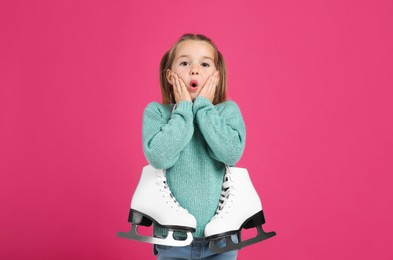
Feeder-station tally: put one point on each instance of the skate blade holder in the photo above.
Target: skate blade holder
(169, 240)
(137, 219)
(256, 221)
(230, 245)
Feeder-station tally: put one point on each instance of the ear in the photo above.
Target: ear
(169, 76)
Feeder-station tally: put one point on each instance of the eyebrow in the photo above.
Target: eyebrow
(187, 56)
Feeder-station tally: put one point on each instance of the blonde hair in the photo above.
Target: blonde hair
(167, 61)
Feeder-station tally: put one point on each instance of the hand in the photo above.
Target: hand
(179, 89)
(209, 89)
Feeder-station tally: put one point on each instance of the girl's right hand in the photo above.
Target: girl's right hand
(179, 89)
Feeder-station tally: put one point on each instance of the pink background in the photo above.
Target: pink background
(313, 80)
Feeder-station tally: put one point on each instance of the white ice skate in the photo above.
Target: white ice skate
(239, 207)
(154, 203)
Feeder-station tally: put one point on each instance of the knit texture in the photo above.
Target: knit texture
(193, 143)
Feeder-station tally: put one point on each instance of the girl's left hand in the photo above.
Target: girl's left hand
(209, 89)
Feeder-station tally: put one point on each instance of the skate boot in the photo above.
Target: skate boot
(153, 203)
(239, 207)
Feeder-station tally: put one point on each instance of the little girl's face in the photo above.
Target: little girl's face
(194, 64)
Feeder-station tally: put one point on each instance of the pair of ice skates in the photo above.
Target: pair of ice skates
(239, 207)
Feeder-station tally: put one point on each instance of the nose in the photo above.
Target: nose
(194, 70)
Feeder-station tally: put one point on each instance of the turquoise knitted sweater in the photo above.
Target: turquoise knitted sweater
(193, 144)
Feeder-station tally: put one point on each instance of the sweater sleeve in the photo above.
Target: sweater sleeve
(223, 128)
(164, 139)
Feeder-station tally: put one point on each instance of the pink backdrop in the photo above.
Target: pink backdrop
(313, 80)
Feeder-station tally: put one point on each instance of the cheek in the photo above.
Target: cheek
(204, 81)
(182, 74)
(179, 69)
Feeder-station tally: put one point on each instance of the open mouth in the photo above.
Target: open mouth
(193, 84)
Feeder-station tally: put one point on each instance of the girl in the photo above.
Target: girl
(194, 141)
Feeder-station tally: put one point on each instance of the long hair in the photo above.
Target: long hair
(167, 61)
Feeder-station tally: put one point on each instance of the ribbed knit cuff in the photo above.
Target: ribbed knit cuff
(184, 108)
(201, 106)
(201, 102)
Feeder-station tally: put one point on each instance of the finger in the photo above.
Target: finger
(205, 91)
(174, 82)
(216, 79)
(208, 82)
(178, 89)
(213, 83)
(204, 88)
(182, 85)
(213, 88)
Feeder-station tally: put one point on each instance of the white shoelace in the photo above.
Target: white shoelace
(167, 194)
(226, 193)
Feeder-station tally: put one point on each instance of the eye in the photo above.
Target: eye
(184, 63)
(205, 64)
